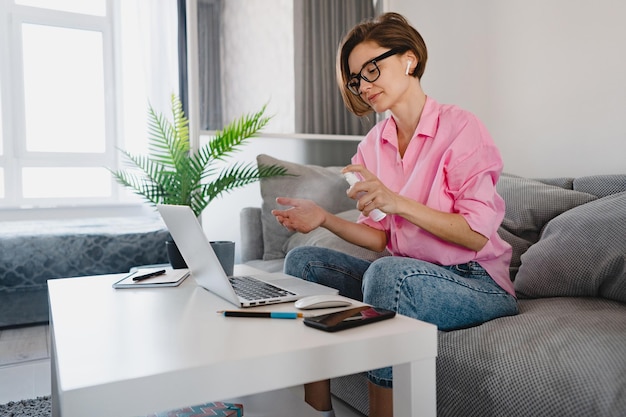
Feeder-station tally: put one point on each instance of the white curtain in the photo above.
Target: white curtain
(149, 36)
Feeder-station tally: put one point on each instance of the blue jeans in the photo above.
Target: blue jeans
(451, 297)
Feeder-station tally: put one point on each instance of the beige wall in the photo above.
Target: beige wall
(547, 77)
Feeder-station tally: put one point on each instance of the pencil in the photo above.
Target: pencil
(262, 314)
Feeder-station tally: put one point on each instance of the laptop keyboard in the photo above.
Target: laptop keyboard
(253, 289)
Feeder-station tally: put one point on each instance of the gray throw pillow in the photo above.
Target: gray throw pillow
(530, 204)
(326, 239)
(601, 185)
(324, 185)
(561, 182)
(581, 253)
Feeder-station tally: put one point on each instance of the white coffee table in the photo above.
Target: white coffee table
(133, 352)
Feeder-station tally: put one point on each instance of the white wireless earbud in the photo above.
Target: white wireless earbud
(408, 67)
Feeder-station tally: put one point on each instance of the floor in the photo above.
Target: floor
(25, 367)
(24, 363)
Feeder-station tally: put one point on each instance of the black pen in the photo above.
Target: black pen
(150, 275)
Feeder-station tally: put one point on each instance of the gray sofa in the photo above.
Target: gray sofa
(563, 355)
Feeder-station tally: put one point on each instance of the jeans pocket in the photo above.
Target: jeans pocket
(471, 269)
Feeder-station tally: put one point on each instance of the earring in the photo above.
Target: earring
(408, 67)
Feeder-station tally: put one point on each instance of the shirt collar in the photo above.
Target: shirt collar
(427, 125)
(429, 121)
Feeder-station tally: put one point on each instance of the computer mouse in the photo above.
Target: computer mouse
(322, 301)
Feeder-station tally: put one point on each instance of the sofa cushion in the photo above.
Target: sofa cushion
(582, 252)
(324, 185)
(530, 204)
(558, 357)
(326, 239)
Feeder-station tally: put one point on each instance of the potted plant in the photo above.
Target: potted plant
(171, 173)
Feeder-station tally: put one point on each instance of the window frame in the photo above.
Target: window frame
(15, 156)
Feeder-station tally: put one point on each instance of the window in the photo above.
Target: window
(76, 78)
(64, 88)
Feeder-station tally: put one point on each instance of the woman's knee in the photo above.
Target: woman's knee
(299, 259)
(381, 282)
(328, 267)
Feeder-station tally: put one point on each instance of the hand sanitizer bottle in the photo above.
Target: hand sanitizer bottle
(352, 179)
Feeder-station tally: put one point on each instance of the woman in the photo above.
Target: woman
(433, 170)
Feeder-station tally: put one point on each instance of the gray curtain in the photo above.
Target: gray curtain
(319, 26)
(183, 79)
(210, 95)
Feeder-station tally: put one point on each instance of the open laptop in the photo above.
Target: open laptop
(208, 272)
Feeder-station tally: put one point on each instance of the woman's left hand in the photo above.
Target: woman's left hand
(302, 215)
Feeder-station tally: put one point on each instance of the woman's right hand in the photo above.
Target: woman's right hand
(302, 215)
(371, 193)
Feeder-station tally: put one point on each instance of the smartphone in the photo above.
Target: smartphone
(347, 319)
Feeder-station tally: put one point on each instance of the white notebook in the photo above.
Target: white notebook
(171, 278)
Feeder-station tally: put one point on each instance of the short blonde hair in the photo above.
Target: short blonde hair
(390, 30)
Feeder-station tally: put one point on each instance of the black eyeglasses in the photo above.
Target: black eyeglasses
(369, 71)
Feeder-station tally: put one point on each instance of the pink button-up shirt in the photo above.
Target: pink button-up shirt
(451, 165)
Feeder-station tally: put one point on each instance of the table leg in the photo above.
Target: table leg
(414, 389)
(54, 394)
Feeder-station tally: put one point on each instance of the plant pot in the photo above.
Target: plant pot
(173, 254)
(225, 252)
